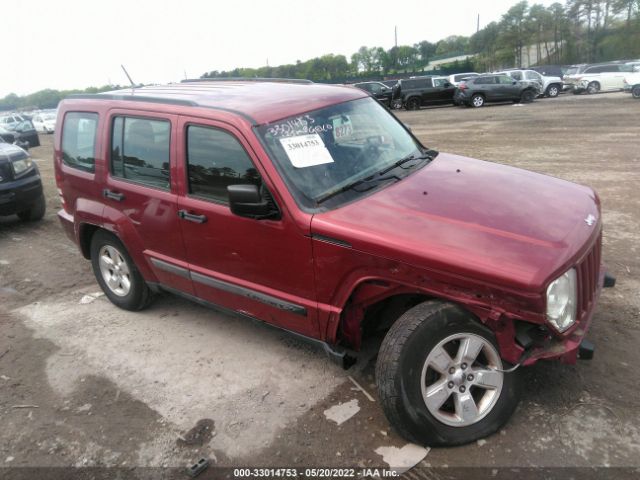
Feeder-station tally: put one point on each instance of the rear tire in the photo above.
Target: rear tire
(527, 96)
(116, 273)
(477, 101)
(35, 212)
(437, 380)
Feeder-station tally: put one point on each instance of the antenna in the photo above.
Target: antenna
(127, 74)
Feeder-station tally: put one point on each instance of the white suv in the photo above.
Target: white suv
(549, 86)
(599, 78)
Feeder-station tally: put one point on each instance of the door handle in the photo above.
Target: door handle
(118, 197)
(184, 215)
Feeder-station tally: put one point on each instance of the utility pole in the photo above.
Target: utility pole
(396, 35)
(478, 25)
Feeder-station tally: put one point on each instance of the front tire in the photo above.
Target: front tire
(635, 92)
(35, 212)
(116, 273)
(593, 87)
(437, 377)
(553, 91)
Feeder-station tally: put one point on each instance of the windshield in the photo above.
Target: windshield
(571, 71)
(325, 150)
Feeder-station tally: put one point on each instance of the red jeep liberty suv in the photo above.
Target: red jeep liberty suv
(312, 208)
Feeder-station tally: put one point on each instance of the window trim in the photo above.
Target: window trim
(88, 171)
(112, 120)
(187, 183)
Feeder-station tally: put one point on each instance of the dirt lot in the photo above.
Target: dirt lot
(178, 382)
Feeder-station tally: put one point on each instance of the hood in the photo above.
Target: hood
(499, 224)
(9, 151)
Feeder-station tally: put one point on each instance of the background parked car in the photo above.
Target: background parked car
(549, 86)
(477, 91)
(23, 135)
(20, 184)
(44, 122)
(416, 92)
(379, 90)
(11, 120)
(596, 78)
(456, 78)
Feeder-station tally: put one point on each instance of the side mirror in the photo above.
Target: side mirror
(514, 83)
(246, 201)
(447, 85)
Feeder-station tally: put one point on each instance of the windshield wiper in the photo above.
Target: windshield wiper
(352, 185)
(409, 158)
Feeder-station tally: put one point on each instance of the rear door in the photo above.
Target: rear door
(261, 268)
(140, 194)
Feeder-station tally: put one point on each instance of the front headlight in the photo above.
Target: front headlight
(562, 302)
(22, 165)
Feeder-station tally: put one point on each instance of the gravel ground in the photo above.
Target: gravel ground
(178, 382)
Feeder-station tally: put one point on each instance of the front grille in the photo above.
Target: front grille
(588, 275)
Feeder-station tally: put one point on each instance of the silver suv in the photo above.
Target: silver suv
(548, 86)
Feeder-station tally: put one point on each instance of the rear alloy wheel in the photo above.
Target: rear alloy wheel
(593, 87)
(527, 96)
(477, 101)
(116, 273)
(413, 104)
(635, 92)
(440, 378)
(553, 91)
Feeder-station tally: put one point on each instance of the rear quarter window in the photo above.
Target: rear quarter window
(79, 140)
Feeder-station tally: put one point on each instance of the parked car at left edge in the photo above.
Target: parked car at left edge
(378, 90)
(20, 184)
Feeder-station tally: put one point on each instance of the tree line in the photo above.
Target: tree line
(563, 33)
(574, 32)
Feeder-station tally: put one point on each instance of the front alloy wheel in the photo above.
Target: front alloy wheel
(593, 87)
(462, 379)
(553, 91)
(441, 380)
(635, 92)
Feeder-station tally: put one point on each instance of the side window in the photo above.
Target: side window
(516, 75)
(215, 159)
(533, 76)
(504, 80)
(79, 140)
(140, 151)
(375, 88)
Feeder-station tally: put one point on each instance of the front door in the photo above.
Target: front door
(261, 268)
(140, 193)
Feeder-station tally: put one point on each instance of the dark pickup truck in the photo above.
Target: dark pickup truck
(414, 93)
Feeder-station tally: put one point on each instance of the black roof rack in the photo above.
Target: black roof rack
(247, 79)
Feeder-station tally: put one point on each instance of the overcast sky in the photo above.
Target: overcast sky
(76, 44)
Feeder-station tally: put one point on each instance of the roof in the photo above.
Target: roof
(258, 102)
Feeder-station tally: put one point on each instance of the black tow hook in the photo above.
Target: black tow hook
(586, 349)
(609, 281)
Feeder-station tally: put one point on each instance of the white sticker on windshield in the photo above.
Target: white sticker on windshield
(306, 150)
